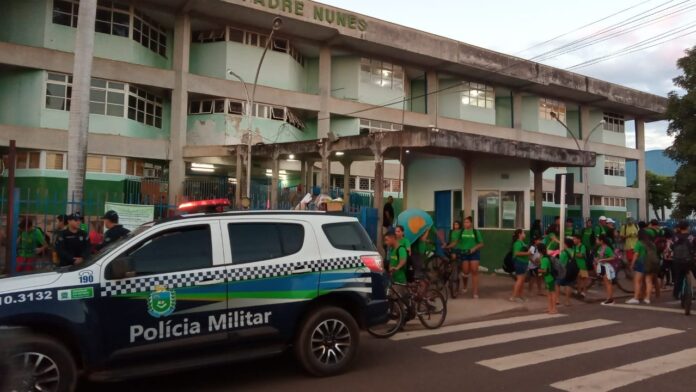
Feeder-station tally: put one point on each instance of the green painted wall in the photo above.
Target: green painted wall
(418, 105)
(448, 99)
(312, 75)
(345, 77)
(345, 126)
(22, 21)
(496, 244)
(108, 46)
(221, 129)
(210, 59)
(21, 97)
(279, 70)
(530, 113)
(573, 122)
(503, 108)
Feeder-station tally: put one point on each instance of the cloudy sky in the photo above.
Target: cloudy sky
(513, 26)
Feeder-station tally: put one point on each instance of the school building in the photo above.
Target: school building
(344, 101)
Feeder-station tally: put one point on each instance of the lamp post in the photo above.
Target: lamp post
(277, 22)
(585, 170)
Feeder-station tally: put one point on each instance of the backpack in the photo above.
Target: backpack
(571, 268)
(682, 250)
(557, 269)
(508, 263)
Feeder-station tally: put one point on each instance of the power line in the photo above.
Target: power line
(582, 27)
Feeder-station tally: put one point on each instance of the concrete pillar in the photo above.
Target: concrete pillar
(179, 111)
(325, 181)
(309, 181)
(303, 175)
(404, 184)
(468, 191)
(642, 186)
(239, 174)
(379, 196)
(538, 193)
(275, 169)
(324, 122)
(346, 181)
(585, 128)
(432, 84)
(517, 110)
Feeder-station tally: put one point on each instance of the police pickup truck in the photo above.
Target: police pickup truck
(197, 290)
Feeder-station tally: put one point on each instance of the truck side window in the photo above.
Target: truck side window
(264, 241)
(183, 248)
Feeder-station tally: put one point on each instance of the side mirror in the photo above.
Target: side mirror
(121, 268)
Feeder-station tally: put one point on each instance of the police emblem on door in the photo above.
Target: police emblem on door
(162, 302)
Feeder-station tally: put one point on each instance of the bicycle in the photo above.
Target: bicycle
(408, 301)
(447, 274)
(623, 280)
(686, 294)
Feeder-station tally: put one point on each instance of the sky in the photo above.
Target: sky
(513, 26)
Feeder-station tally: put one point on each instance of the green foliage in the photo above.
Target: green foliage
(660, 189)
(681, 112)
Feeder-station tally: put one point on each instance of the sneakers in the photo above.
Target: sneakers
(646, 301)
(633, 301)
(476, 296)
(608, 302)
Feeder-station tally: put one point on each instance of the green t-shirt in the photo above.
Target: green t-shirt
(599, 230)
(587, 233)
(469, 238)
(653, 232)
(608, 253)
(565, 256)
(641, 251)
(395, 256)
(454, 237)
(406, 244)
(546, 267)
(29, 241)
(550, 243)
(517, 247)
(580, 251)
(424, 247)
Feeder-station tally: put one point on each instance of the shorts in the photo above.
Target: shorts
(550, 285)
(639, 266)
(533, 272)
(521, 267)
(466, 257)
(25, 264)
(584, 274)
(606, 269)
(564, 282)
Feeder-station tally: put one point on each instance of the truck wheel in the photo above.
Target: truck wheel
(327, 341)
(39, 363)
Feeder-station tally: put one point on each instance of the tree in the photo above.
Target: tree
(79, 109)
(681, 112)
(660, 189)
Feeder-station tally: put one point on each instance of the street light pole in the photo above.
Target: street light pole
(277, 22)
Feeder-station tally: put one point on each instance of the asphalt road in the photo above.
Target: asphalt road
(587, 348)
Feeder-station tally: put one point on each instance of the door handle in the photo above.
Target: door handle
(301, 270)
(210, 282)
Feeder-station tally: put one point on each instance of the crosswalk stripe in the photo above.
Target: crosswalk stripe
(646, 307)
(570, 350)
(611, 379)
(512, 336)
(475, 325)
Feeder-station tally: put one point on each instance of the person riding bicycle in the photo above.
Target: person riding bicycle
(683, 253)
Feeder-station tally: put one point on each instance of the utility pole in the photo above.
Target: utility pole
(79, 104)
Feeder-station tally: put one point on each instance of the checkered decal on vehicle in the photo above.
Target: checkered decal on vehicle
(187, 279)
(148, 283)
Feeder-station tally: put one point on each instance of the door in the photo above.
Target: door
(274, 274)
(174, 296)
(443, 211)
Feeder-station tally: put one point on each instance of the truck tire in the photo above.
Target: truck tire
(327, 341)
(39, 363)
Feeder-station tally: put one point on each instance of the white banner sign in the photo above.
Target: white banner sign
(131, 215)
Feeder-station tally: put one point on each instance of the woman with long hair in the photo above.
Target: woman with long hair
(642, 253)
(520, 255)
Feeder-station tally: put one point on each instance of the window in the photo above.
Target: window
(379, 126)
(65, 12)
(395, 185)
(352, 182)
(338, 181)
(134, 167)
(107, 98)
(113, 165)
(180, 249)
(348, 236)
(114, 18)
(614, 167)
(596, 200)
(364, 184)
(144, 107)
(264, 241)
(548, 106)
(55, 160)
(382, 74)
(28, 159)
(95, 163)
(207, 106)
(235, 107)
(208, 36)
(609, 201)
(149, 34)
(58, 91)
(614, 122)
(498, 209)
(477, 94)
(251, 38)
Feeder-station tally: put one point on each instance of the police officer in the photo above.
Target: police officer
(114, 231)
(72, 244)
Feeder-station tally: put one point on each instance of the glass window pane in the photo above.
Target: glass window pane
(54, 161)
(236, 35)
(348, 236)
(252, 242)
(113, 165)
(34, 160)
(55, 103)
(97, 108)
(55, 90)
(488, 209)
(116, 98)
(207, 107)
(219, 106)
(102, 27)
(513, 210)
(94, 163)
(97, 95)
(114, 110)
(121, 18)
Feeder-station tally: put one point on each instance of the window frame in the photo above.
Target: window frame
(478, 92)
(548, 105)
(614, 166)
(383, 74)
(614, 122)
(500, 192)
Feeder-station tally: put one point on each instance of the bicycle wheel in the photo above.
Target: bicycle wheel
(432, 309)
(453, 284)
(624, 279)
(394, 322)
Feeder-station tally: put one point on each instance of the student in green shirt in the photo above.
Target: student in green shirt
(520, 255)
(399, 231)
(397, 259)
(30, 244)
(580, 253)
(588, 235)
(604, 256)
(469, 243)
(546, 273)
(456, 251)
(564, 257)
(637, 264)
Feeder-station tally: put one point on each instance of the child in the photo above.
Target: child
(550, 281)
(567, 281)
(534, 262)
(603, 258)
(580, 253)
